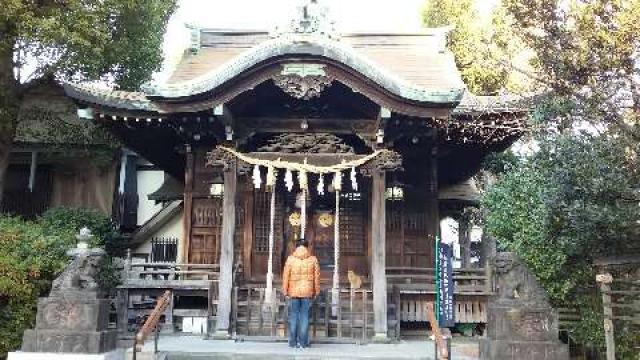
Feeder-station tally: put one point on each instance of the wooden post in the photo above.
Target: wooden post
(122, 310)
(378, 266)
(364, 314)
(433, 207)
(225, 283)
(605, 281)
(464, 237)
(188, 206)
(168, 317)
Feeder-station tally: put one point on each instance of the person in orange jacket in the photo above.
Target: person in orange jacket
(300, 284)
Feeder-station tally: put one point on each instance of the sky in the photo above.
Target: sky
(349, 15)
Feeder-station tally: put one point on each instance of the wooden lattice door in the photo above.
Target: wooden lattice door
(261, 224)
(205, 231)
(409, 242)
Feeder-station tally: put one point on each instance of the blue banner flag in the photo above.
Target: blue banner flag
(446, 311)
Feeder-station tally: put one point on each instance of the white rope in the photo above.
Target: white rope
(272, 209)
(280, 164)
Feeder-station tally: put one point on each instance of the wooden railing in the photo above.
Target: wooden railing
(171, 271)
(151, 324)
(417, 288)
(468, 281)
(442, 347)
(621, 306)
(347, 318)
(148, 280)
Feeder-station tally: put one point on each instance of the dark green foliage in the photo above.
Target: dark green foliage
(573, 200)
(33, 253)
(68, 221)
(498, 163)
(476, 43)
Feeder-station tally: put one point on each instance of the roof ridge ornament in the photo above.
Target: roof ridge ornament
(311, 18)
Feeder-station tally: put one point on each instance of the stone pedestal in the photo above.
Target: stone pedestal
(74, 319)
(71, 325)
(522, 333)
(521, 324)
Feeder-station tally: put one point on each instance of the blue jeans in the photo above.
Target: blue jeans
(299, 322)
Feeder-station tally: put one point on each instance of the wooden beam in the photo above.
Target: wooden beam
(188, 205)
(617, 260)
(605, 280)
(433, 207)
(378, 230)
(464, 238)
(226, 252)
(293, 125)
(248, 232)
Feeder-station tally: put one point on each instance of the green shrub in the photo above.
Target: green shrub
(33, 254)
(570, 202)
(68, 221)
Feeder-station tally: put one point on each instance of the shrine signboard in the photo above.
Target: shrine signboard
(445, 288)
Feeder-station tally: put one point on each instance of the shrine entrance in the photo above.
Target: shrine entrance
(320, 230)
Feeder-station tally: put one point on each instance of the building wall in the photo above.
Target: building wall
(67, 172)
(172, 229)
(83, 185)
(149, 180)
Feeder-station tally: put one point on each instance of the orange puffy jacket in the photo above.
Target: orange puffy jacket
(301, 275)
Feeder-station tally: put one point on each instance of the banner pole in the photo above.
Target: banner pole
(437, 307)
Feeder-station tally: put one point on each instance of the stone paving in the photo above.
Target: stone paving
(191, 347)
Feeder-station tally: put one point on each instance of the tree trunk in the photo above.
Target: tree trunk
(9, 107)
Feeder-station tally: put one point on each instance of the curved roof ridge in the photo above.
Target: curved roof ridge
(471, 102)
(299, 44)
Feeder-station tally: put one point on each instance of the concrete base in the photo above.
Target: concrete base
(117, 354)
(381, 339)
(220, 335)
(65, 341)
(195, 348)
(523, 350)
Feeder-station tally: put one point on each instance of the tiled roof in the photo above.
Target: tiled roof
(474, 104)
(415, 66)
(111, 98)
(418, 59)
(405, 65)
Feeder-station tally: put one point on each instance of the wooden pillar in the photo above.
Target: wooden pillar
(122, 311)
(433, 207)
(188, 206)
(225, 283)
(378, 266)
(464, 238)
(605, 281)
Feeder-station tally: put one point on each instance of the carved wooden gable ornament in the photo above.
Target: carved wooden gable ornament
(303, 81)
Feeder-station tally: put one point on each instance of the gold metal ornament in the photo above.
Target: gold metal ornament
(294, 219)
(325, 219)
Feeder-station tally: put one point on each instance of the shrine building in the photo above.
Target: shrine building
(359, 142)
